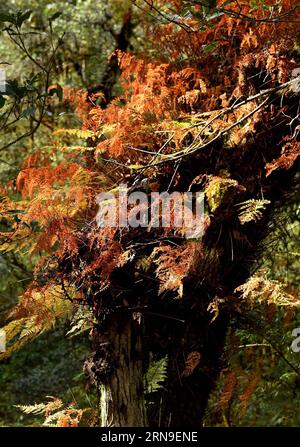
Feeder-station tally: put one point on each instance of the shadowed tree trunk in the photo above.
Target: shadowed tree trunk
(117, 368)
(110, 76)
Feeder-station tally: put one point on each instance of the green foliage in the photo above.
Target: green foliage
(49, 366)
(17, 18)
(82, 35)
(156, 375)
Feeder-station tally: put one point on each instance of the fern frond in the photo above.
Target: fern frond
(252, 210)
(36, 313)
(81, 322)
(66, 417)
(216, 190)
(32, 409)
(156, 374)
(80, 133)
(259, 290)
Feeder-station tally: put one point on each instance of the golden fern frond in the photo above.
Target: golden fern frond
(32, 409)
(42, 308)
(259, 290)
(77, 148)
(80, 133)
(66, 417)
(14, 339)
(217, 189)
(47, 408)
(252, 210)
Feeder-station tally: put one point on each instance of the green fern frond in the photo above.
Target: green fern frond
(156, 374)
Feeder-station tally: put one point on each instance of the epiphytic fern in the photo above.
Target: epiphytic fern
(81, 322)
(79, 133)
(259, 290)
(156, 374)
(37, 312)
(251, 210)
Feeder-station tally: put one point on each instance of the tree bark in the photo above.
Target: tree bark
(117, 364)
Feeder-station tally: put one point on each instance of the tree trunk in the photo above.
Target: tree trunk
(183, 401)
(117, 364)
